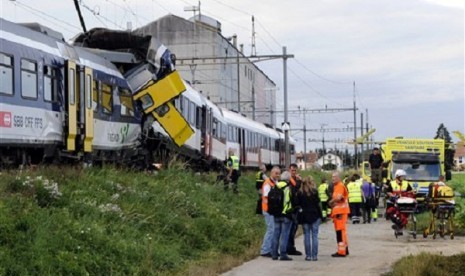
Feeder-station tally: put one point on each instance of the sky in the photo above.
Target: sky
(402, 61)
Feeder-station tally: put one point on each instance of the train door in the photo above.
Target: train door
(80, 116)
(243, 146)
(205, 130)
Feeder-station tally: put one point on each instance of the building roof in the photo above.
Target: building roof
(459, 150)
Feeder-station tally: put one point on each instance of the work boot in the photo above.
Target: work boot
(335, 255)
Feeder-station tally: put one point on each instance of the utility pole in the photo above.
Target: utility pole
(238, 83)
(305, 138)
(286, 130)
(361, 134)
(355, 133)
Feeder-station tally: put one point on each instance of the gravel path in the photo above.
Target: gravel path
(373, 249)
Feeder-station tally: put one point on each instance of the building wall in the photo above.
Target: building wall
(220, 76)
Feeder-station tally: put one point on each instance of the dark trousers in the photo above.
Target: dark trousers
(355, 210)
(366, 211)
(234, 179)
(291, 242)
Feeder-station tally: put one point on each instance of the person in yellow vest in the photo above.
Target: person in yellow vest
(233, 172)
(260, 177)
(323, 193)
(395, 190)
(355, 197)
(340, 211)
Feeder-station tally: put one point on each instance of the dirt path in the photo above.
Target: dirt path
(373, 249)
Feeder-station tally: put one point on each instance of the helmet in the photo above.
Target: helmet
(400, 172)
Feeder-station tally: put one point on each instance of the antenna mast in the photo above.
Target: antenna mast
(254, 49)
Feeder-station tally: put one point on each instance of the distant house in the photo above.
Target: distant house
(311, 159)
(330, 159)
(459, 157)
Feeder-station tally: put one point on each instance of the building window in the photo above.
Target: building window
(6, 74)
(28, 79)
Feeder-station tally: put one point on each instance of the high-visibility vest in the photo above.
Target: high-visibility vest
(287, 196)
(355, 192)
(235, 162)
(322, 192)
(259, 179)
(396, 188)
(341, 206)
(270, 182)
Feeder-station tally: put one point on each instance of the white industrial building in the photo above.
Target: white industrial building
(216, 66)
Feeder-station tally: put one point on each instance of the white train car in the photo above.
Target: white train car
(253, 142)
(207, 147)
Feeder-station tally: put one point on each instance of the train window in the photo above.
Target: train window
(127, 106)
(192, 113)
(185, 108)
(146, 101)
(215, 128)
(71, 86)
(198, 117)
(50, 84)
(107, 101)
(28, 79)
(223, 132)
(95, 93)
(6, 74)
(88, 91)
(177, 103)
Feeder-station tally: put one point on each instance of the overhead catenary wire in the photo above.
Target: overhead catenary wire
(45, 16)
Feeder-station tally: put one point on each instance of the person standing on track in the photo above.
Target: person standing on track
(375, 161)
(233, 172)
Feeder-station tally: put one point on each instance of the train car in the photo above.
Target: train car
(207, 147)
(253, 142)
(58, 101)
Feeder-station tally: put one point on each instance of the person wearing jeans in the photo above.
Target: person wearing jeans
(282, 228)
(311, 240)
(307, 202)
(269, 219)
(282, 221)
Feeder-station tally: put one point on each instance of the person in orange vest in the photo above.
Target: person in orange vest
(275, 173)
(340, 211)
(296, 182)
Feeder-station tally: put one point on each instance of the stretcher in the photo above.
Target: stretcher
(441, 219)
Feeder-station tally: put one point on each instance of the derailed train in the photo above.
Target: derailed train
(68, 102)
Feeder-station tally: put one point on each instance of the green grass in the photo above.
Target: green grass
(108, 221)
(426, 264)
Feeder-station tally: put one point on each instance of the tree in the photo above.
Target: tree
(449, 151)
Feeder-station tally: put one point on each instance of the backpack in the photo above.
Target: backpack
(445, 192)
(276, 201)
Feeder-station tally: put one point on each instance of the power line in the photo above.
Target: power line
(42, 14)
(321, 77)
(97, 13)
